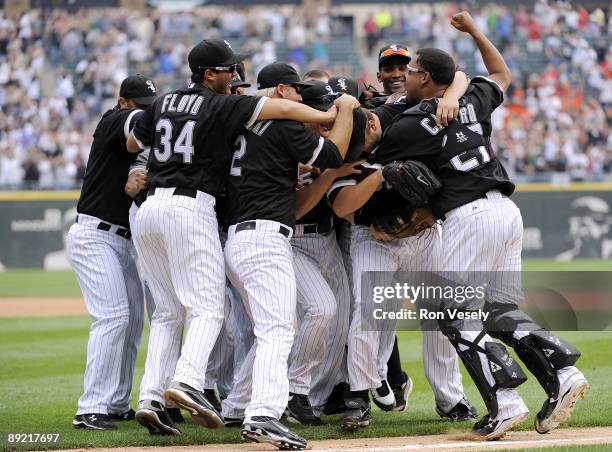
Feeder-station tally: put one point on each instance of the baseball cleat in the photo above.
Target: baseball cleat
(463, 411)
(201, 410)
(233, 421)
(494, 429)
(401, 393)
(175, 415)
(264, 429)
(152, 415)
(383, 397)
(335, 402)
(555, 412)
(213, 398)
(125, 416)
(93, 421)
(357, 414)
(299, 410)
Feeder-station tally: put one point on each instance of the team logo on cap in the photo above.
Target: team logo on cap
(151, 86)
(227, 44)
(342, 84)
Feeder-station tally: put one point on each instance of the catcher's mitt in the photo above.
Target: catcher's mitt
(404, 222)
(413, 180)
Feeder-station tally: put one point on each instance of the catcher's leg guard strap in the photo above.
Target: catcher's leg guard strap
(505, 372)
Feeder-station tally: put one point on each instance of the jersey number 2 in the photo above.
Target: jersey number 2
(240, 143)
(183, 144)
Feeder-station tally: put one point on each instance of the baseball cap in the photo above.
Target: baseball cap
(344, 85)
(212, 53)
(237, 82)
(276, 73)
(393, 51)
(356, 144)
(319, 95)
(138, 88)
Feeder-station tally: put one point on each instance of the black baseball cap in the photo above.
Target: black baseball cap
(319, 95)
(212, 53)
(393, 51)
(276, 73)
(344, 85)
(138, 88)
(237, 82)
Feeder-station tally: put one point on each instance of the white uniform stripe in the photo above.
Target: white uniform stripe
(126, 124)
(255, 114)
(316, 152)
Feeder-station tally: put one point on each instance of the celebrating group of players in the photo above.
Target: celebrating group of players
(263, 223)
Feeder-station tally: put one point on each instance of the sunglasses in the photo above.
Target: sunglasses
(413, 69)
(231, 68)
(392, 51)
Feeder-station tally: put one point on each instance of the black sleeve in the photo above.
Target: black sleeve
(237, 112)
(410, 137)
(143, 129)
(485, 95)
(353, 179)
(118, 127)
(307, 147)
(387, 112)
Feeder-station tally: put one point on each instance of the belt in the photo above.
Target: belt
(252, 225)
(178, 191)
(121, 232)
(316, 228)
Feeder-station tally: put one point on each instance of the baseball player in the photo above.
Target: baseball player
(191, 132)
(101, 254)
(323, 292)
(258, 250)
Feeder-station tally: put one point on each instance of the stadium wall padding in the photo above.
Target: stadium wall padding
(564, 223)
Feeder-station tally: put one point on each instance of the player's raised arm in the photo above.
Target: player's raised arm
(448, 106)
(352, 198)
(493, 60)
(340, 134)
(287, 109)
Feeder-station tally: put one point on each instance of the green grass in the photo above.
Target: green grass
(42, 363)
(38, 283)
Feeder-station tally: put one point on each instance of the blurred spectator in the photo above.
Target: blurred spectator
(58, 73)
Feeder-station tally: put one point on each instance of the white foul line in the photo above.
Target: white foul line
(466, 444)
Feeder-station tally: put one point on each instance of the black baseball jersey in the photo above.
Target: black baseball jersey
(321, 213)
(103, 194)
(387, 112)
(191, 132)
(381, 201)
(266, 163)
(461, 155)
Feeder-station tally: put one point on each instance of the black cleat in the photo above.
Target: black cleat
(357, 414)
(126, 416)
(154, 416)
(93, 421)
(402, 392)
(213, 399)
(299, 410)
(175, 415)
(494, 429)
(335, 402)
(383, 397)
(463, 411)
(264, 429)
(192, 400)
(233, 421)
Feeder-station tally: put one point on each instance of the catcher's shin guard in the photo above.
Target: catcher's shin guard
(505, 370)
(541, 351)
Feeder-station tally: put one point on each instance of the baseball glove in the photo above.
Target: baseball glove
(404, 221)
(413, 181)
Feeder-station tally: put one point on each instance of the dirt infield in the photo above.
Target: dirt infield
(514, 440)
(41, 307)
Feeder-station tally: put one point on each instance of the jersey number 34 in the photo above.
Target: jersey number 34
(183, 144)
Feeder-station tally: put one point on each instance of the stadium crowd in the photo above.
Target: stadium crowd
(61, 70)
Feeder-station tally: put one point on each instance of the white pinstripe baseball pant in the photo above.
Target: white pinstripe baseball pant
(105, 268)
(178, 243)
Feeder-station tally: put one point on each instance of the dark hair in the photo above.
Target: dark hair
(316, 73)
(438, 63)
(197, 78)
